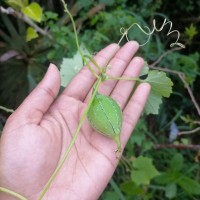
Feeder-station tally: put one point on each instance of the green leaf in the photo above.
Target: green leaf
(71, 66)
(17, 4)
(130, 188)
(170, 190)
(31, 34)
(34, 11)
(176, 163)
(110, 195)
(189, 185)
(107, 2)
(166, 178)
(50, 15)
(160, 83)
(161, 86)
(145, 69)
(191, 31)
(153, 103)
(143, 171)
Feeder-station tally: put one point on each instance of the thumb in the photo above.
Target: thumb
(40, 99)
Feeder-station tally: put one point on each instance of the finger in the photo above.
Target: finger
(124, 88)
(133, 110)
(40, 99)
(118, 64)
(83, 81)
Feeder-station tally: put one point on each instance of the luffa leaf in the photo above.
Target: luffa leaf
(160, 83)
(105, 116)
(161, 86)
(71, 66)
(153, 103)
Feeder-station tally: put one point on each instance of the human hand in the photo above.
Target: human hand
(37, 134)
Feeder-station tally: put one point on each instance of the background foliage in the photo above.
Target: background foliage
(161, 160)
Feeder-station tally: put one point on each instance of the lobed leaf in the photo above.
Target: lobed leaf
(160, 83)
(153, 103)
(161, 86)
(144, 171)
(71, 66)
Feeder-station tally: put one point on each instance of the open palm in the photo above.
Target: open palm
(37, 134)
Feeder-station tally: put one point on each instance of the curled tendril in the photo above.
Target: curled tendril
(124, 32)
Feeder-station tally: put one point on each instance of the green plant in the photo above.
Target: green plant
(104, 100)
(152, 132)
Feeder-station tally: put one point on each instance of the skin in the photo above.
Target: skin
(37, 134)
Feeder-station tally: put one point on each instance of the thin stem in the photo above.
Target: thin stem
(176, 146)
(98, 82)
(94, 62)
(6, 109)
(189, 132)
(124, 78)
(76, 37)
(14, 194)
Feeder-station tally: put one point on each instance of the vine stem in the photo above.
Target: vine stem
(97, 84)
(12, 193)
(124, 78)
(6, 109)
(76, 39)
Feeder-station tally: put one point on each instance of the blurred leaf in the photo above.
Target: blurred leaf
(170, 190)
(131, 188)
(49, 15)
(143, 171)
(17, 4)
(108, 195)
(34, 11)
(166, 178)
(191, 31)
(107, 2)
(176, 163)
(85, 3)
(189, 185)
(31, 34)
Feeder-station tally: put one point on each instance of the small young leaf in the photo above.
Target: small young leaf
(144, 171)
(31, 34)
(191, 31)
(34, 11)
